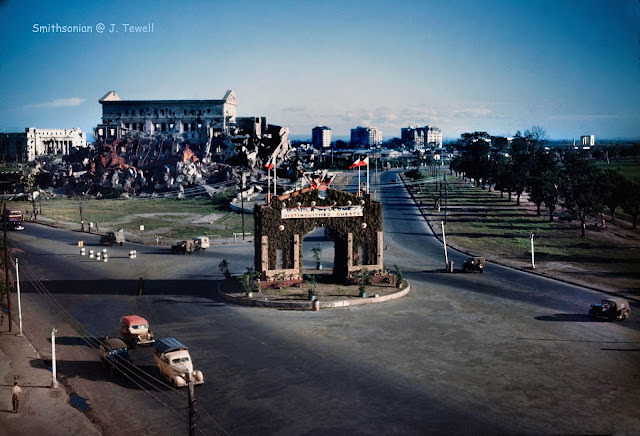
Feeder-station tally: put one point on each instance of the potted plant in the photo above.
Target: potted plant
(248, 279)
(398, 274)
(364, 277)
(312, 287)
(317, 251)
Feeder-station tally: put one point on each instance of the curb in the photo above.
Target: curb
(308, 305)
(506, 265)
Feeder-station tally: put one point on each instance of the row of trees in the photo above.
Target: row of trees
(523, 163)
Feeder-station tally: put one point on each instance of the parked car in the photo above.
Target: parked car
(14, 225)
(183, 247)
(111, 238)
(114, 352)
(201, 242)
(473, 264)
(174, 362)
(135, 330)
(610, 309)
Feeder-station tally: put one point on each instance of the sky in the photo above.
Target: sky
(500, 66)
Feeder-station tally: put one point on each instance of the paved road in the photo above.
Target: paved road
(500, 353)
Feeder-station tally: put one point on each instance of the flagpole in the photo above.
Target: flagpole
(268, 181)
(275, 180)
(359, 181)
(367, 160)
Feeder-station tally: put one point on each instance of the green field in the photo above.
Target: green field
(168, 218)
(482, 223)
(629, 169)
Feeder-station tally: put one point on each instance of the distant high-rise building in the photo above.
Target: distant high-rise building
(588, 140)
(321, 137)
(420, 136)
(366, 136)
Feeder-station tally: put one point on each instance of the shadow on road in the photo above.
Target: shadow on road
(577, 317)
(193, 288)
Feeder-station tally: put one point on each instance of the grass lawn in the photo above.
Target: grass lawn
(629, 169)
(482, 223)
(168, 218)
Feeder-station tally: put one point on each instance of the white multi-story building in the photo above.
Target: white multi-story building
(26, 146)
(321, 137)
(366, 136)
(419, 137)
(197, 121)
(588, 140)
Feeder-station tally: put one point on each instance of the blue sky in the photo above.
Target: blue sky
(570, 66)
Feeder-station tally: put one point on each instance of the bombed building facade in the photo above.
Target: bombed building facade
(202, 124)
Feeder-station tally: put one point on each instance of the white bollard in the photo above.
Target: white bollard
(105, 257)
(82, 252)
(98, 256)
(91, 254)
(104, 251)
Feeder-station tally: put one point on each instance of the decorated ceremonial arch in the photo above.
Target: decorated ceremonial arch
(353, 222)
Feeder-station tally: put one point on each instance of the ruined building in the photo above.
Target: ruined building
(203, 124)
(26, 146)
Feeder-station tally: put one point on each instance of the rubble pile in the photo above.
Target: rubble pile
(151, 166)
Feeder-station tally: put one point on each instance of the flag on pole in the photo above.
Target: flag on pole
(269, 165)
(360, 163)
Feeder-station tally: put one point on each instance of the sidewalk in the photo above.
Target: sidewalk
(43, 410)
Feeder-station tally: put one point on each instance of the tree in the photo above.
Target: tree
(631, 200)
(31, 186)
(614, 186)
(543, 181)
(580, 188)
(520, 164)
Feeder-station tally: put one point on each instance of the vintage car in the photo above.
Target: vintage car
(174, 362)
(201, 242)
(114, 352)
(111, 238)
(135, 330)
(14, 225)
(184, 247)
(473, 264)
(610, 309)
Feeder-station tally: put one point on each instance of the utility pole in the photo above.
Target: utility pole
(444, 243)
(19, 305)
(5, 217)
(446, 198)
(81, 219)
(244, 179)
(192, 406)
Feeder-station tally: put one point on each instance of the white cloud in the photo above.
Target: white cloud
(58, 102)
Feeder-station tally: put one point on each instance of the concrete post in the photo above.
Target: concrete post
(54, 380)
